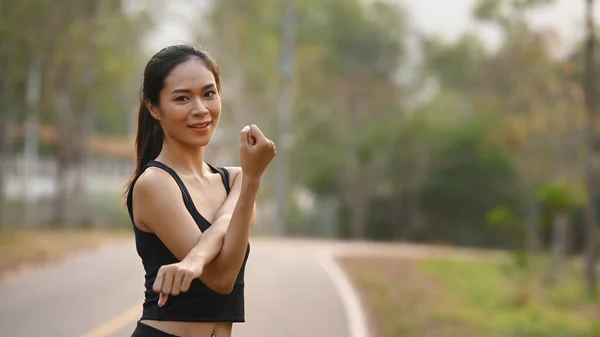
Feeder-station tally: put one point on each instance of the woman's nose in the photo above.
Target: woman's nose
(199, 107)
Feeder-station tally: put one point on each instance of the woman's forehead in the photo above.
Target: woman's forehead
(190, 74)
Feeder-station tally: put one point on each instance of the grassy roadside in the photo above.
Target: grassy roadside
(30, 247)
(468, 298)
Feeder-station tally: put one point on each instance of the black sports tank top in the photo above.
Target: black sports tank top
(199, 303)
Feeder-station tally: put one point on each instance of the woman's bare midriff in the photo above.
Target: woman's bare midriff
(192, 329)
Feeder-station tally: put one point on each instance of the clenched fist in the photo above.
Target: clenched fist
(256, 151)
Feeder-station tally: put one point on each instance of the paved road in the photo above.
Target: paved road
(97, 294)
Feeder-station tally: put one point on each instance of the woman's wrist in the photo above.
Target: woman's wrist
(196, 257)
(250, 181)
(196, 261)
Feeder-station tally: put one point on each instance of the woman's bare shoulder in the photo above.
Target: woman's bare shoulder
(154, 190)
(154, 180)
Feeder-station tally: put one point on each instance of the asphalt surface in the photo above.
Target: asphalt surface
(98, 294)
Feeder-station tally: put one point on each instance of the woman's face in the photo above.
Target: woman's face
(190, 105)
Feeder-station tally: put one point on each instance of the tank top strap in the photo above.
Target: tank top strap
(187, 198)
(224, 176)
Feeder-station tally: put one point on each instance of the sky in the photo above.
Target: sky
(448, 18)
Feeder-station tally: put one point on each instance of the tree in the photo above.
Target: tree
(591, 139)
(285, 108)
(60, 68)
(5, 113)
(4, 123)
(529, 94)
(352, 87)
(339, 91)
(559, 201)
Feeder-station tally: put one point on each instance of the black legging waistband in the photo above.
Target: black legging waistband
(144, 330)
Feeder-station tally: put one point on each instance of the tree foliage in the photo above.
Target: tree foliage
(74, 66)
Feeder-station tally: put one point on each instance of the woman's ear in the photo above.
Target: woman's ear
(153, 110)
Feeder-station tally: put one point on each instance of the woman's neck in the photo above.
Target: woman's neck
(186, 160)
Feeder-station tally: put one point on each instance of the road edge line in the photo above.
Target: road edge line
(357, 318)
(116, 323)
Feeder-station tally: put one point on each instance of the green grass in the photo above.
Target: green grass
(495, 301)
(399, 299)
(453, 297)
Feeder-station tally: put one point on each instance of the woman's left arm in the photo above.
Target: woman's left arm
(211, 241)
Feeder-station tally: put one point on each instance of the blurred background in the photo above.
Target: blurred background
(462, 123)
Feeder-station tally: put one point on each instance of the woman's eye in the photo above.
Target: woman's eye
(181, 98)
(210, 94)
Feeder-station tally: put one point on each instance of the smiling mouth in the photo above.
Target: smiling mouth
(200, 125)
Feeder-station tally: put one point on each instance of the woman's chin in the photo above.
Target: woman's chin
(200, 141)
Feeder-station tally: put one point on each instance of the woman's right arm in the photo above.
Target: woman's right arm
(158, 206)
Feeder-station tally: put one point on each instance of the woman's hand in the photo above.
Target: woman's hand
(256, 151)
(173, 279)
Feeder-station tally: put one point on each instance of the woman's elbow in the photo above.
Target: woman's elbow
(220, 283)
(224, 287)
(220, 278)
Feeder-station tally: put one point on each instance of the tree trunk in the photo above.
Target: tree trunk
(396, 218)
(416, 219)
(591, 168)
(229, 51)
(238, 97)
(533, 227)
(358, 215)
(356, 194)
(560, 227)
(74, 123)
(33, 92)
(4, 122)
(284, 114)
(80, 214)
(84, 129)
(3, 159)
(65, 178)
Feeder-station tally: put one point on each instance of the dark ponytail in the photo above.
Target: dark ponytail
(150, 136)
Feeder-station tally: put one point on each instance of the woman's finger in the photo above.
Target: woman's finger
(167, 283)
(256, 133)
(177, 283)
(162, 299)
(187, 281)
(158, 282)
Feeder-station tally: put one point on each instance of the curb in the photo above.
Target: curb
(357, 319)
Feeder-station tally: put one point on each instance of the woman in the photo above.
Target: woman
(191, 220)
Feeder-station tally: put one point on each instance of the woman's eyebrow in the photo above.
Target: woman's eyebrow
(208, 86)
